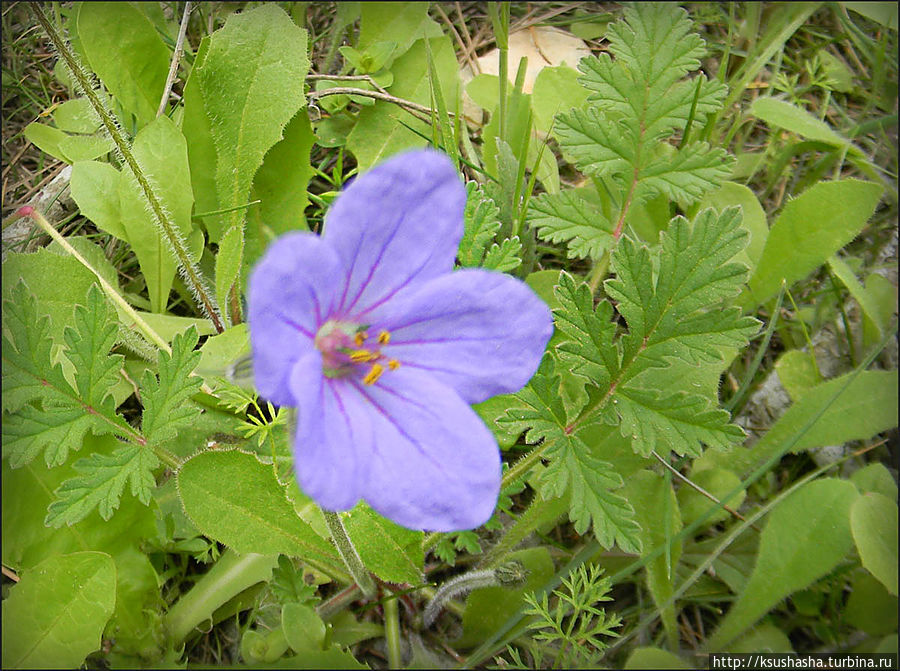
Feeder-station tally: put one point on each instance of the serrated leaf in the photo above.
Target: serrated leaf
(166, 406)
(101, 484)
(482, 221)
(640, 98)
(573, 468)
(30, 374)
(503, 257)
(673, 313)
(53, 430)
(567, 217)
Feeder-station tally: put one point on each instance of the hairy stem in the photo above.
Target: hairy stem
(82, 79)
(349, 554)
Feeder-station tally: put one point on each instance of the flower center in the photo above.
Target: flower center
(345, 348)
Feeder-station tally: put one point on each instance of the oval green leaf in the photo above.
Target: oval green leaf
(54, 617)
(235, 499)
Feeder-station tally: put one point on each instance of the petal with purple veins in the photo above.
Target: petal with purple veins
(333, 436)
(434, 464)
(480, 332)
(291, 293)
(395, 226)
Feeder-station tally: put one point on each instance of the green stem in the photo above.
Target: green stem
(82, 79)
(231, 575)
(392, 633)
(349, 554)
(108, 289)
(598, 273)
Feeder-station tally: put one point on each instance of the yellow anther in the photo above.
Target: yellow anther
(373, 374)
(360, 338)
(393, 364)
(363, 355)
(384, 337)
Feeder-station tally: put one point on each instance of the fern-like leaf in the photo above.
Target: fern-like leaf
(640, 98)
(567, 217)
(573, 468)
(503, 257)
(673, 313)
(101, 482)
(66, 414)
(482, 221)
(167, 405)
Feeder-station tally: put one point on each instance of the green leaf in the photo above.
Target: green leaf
(870, 607)
(161, 151)
(567, 217)
(866, 299)
(655, 658)
(95, 189)
(197, 129)
(303, 628)
(123, 49)
(753, 220)
(30, 374)
(378, 132)
(233, 498)
(811, 228)
(873, 521)
(656, 510)
(28, 491)
(391, 552)
(875, 478)
(805, 537)
(101, 482)
(76, 116)
(41, 271)
(55, 615)
(574, 469)
(481, 218)
(402, 23)
(555, 90)
(68, 148)
(166, 406)
(640, 98)
(673, 314)
(865, 406)
(252, 83)
(782, 114)
(505, 256)
(280, 183)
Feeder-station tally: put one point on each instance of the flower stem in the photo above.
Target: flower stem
(108, 289)
(231, 575)
(349, 554)
(82, 79)
(392, 633)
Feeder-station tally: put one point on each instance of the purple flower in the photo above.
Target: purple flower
(382, 348)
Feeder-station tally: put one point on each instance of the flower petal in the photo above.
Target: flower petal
(333, 433)
(434, 465)
(398, 224)
(480, 332)
(291, 293)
